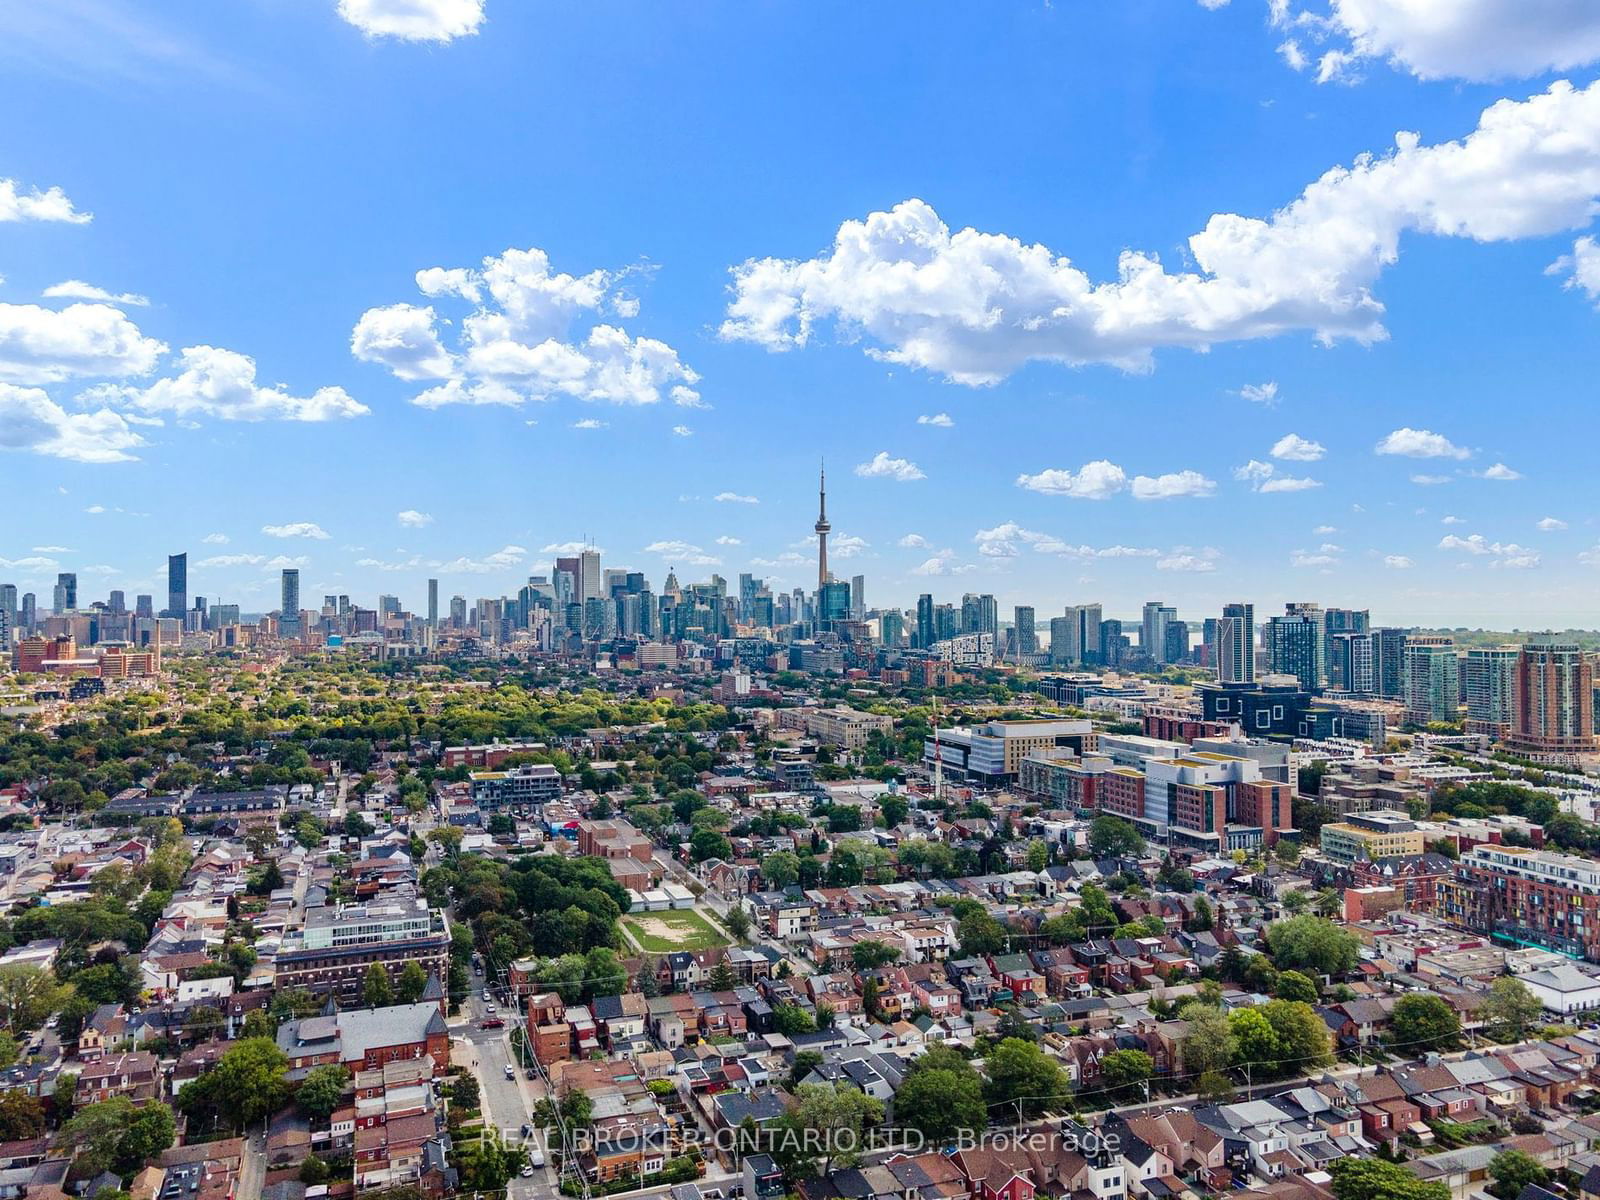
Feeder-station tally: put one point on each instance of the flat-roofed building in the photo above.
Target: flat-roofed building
(1372, 836)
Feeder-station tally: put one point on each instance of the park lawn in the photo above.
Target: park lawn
(672, 929)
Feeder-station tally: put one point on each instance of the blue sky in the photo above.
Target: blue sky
(271, 177)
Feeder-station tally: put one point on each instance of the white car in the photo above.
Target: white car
(486, 995)
(490, 1009)
(510, 1073)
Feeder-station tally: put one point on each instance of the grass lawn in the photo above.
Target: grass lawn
(672, 929)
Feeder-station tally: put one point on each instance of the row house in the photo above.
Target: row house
(135, 1075)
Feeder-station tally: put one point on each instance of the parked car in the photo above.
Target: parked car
(535, 1158)
(510, 1073)
(492, 1023)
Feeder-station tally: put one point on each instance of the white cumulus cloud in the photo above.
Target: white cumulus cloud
(518, 344)
(1420, 443)
(1550, 524)
(1581, 267)
(215, 539)
(1500, 472)
(412, 519)
(77, 289)
(80, 341)
(1397, 562)
(1502, 554)
(1098, 480)
(222, 384)
(1177, 485)
(942, 420)
(914, 541)
(34, 205)
(1294, 448)
(734, 498)
(501, 560)
(882, 466)
(1477, 40)
(1184, 559)
(683, 552)
(297, 529)
(414, 20)
(31, 421)
(975, 306)
(1265, 394)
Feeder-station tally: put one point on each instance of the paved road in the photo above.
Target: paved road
(507, 1103)
(253, 1170)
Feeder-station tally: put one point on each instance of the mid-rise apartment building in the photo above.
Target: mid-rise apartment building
(1371, 835)
(337, 944)
(1533, 896)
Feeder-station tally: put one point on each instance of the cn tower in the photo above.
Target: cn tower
(822, 527)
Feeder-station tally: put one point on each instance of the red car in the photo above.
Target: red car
(491, 1023)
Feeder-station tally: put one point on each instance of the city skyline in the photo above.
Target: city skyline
(1014, 423)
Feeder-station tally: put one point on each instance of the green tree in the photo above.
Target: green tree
(1303, 1040)
(1364, 1178)
(1509, 1009)
(1513, 1170)
(870, 954)
(116, 1135)
(1255, 1042)
(1424, 1022)
(780, 869)
(376, 991)
(1022, 1078)
(412, 983)
(708, 843)
(1207, 1043)
(248, 1083)
(980, 934)
(21, 1115)
(941, 1096)
(738, 923)
(833, 1119)
(1112, 837)
(1038, 855)
(1292, 985)
(791, 1019)
(1122, 1071)
(1307, 943)
(322, 1090)
(28, 994)
(314, 1171)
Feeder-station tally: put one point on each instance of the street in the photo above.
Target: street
(507, 1103)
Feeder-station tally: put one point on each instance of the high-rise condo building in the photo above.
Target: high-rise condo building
(1236, 644)
(1153, 629)
(177, 585)
(289, 606)
(1294, 646)
(1079, 642)
(924, 632)
(433, 603)
(1389, 662)
(1027, 639)
(65, 599)
(1433, 679)
(1553, 706)
(858, 597)
(1336, 621)
(1488, 677)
